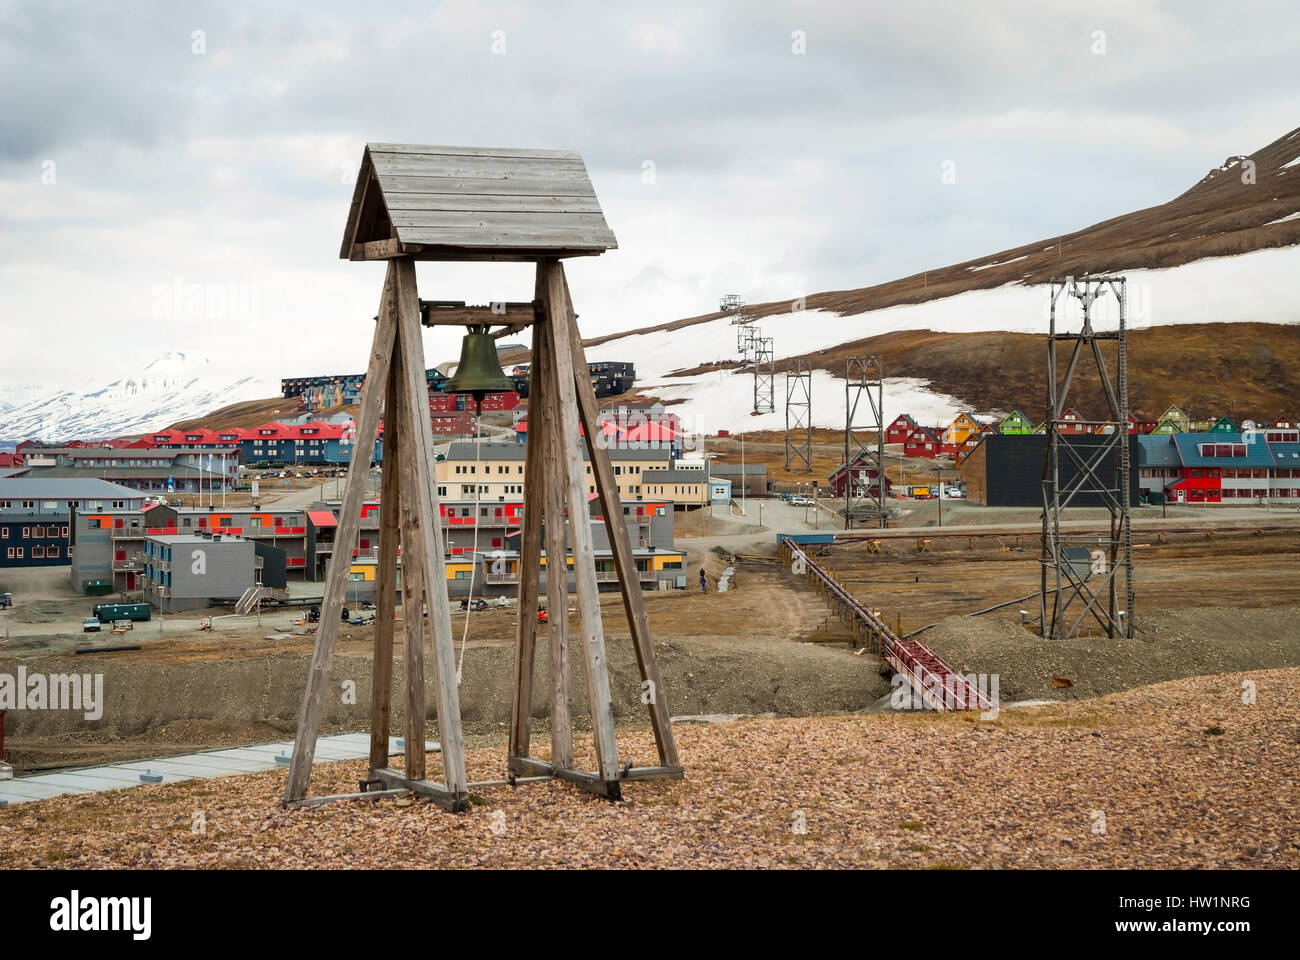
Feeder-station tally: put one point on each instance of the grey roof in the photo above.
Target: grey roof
(465, 450)
(674, 476)
(128, 473)
(133, 453)
(476, 200)
(194, 538)
(733, 469)
(61, 488)
(1157, 450)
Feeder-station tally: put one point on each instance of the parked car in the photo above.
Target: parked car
(801, 502)
(6, 600)
(90, 625)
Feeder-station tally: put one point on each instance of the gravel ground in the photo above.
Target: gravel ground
(1170, 644)
(1178, 775)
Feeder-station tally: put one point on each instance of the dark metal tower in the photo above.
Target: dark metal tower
(864, 377)
(1090, 458)
(798, 415)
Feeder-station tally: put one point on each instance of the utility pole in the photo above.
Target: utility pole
(938, 488)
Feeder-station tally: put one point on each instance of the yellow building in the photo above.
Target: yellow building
(961, 429)
(494, 471)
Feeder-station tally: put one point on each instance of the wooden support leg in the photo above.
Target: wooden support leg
(558, 330)
(304, 747)
(427, 537)
(620, 543)
(557, 577)
(530, 550)
(417, 578)
(381, 688)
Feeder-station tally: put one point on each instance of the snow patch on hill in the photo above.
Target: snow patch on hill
(1255, 287)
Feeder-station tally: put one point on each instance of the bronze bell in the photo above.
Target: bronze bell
(479, 371)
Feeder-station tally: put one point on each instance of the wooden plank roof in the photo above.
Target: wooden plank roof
(473, 203)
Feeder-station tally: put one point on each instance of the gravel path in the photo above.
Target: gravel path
(1178, 775)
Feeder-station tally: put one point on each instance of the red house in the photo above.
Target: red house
(864, 476)
(1072, 422)
(922, 442)
(897, 432)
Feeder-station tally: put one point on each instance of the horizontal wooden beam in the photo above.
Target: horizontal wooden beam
(528, 766)
(368, 795)
(376, 250)
(513, 253)
(438, 793)
(509, 313)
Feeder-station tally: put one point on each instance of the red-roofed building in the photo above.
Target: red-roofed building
(922, 442)
(898, 431)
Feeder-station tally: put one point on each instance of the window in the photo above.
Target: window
(38, 553)
(4, 533)
(27, 533)
(9, 553)
(356, 575)
(20, 553)
(52, 552)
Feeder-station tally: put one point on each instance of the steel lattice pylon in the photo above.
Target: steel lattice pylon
(764, 354)
(798, 415)
(864, 376)
(1082, 574)
(734, 304)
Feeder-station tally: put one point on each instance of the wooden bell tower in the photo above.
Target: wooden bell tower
(453, 203)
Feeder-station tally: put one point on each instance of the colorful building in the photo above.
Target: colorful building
(922, 442)
(863, 475)
(899, 430)
(1218, 467)
(1015, 424)
(36, 515)
(960, 430)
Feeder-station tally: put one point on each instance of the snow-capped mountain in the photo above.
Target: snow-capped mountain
(15, 394)
(173, 386)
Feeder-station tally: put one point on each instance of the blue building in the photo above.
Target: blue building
(36, 513)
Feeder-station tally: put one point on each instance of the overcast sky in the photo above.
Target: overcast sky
(138, 154)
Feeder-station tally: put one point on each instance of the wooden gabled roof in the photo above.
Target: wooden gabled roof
(473, 203)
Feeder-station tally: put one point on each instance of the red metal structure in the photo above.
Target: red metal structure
(938, 685)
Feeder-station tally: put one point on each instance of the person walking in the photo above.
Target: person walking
(704, 583)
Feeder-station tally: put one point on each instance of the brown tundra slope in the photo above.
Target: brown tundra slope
(1247, 369)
